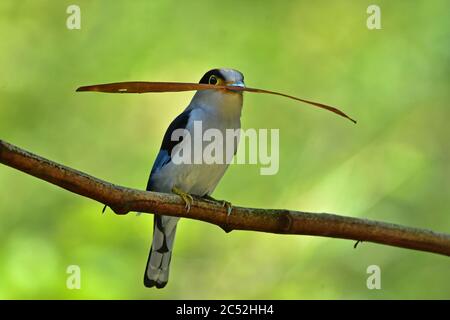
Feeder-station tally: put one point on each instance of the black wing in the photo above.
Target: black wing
(168, 144)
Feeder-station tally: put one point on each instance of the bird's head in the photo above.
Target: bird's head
(224, 77)
(225, 100)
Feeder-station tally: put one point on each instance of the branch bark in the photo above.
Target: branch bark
(123, 200)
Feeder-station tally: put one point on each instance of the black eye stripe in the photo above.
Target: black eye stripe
(207, 76)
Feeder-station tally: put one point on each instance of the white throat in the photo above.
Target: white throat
(225, 105)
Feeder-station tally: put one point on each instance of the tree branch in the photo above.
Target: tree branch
(123, 200)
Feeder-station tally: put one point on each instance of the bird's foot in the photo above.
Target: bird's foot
(187, 198)
(225, 204)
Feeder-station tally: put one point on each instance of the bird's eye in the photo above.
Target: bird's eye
(213, 80)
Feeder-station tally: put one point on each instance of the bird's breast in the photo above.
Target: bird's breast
(213, 129)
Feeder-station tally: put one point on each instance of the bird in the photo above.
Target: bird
(217, 105)
(218, 109)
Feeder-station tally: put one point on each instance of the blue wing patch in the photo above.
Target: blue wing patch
(168, 144)
(161, 160)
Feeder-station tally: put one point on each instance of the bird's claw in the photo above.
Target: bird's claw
(187, 198)
(228, 206)
(224, 203)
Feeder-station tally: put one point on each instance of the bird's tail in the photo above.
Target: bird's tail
(158, 263)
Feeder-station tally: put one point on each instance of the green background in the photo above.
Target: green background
(394, 165)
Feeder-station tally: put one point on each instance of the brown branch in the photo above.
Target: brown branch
(123, 200)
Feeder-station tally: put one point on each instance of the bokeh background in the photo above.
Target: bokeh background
(392, 166)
